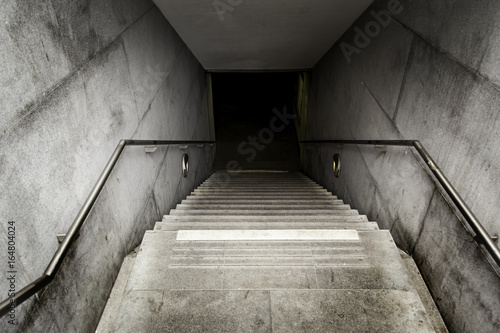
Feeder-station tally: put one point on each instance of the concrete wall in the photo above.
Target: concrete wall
(432, 73)
(76, 77)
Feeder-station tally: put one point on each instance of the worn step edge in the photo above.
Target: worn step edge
(270, 199)
(260, 190)
(271, 203)
(262, 218)
(254, 207)
(264, 213)
(172, 226)
(188, 208)
(262, 183)
(259, 193)
(111, 310)
(266, 235)
(258, 180)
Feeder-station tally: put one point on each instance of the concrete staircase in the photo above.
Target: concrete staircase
(268, 252)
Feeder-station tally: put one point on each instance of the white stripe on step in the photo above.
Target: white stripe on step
(264, 235)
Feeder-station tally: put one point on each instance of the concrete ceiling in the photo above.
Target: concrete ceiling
(260, 34)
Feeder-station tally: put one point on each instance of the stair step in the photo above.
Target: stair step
(266, 235)
(260, 190)
(260, 207)
(224, 225)
(233, 179)
(273, 218)
(256, 174)
(280, 193)
(263, 195)
(267, 202)
(290, 311)
(342, 211)
(188, 208)
(251, 186)
(382, 268)
(257, 183)
(240, 179)
(245, 200)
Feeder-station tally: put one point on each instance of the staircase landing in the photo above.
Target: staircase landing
(227, 260)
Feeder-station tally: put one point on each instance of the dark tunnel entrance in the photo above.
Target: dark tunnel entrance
(255, 122)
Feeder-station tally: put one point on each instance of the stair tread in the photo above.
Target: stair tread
(233, 199)
(272, 311)
(345, 211)
(153, 271)
(265, 193)
(263, 218)
(171, 226)
(260, 207)
(294, 206)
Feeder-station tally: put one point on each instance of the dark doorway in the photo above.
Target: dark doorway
(254, 124)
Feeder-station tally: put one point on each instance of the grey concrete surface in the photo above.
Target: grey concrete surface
(298, 189)
(43, 44)
(265, 218)
(348, 311)
(458, 128)
(271, 280)
(183, 225)
(371, 265)
(241, 200)
(76, 78)
(381, 65)
(160, 311)
(468, 31)
(115, 298)
(463, 270)
(429, 75)
(273, 311)
(284, 35)
(424, 294)
(289, 206)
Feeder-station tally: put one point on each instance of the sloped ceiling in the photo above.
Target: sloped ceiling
(260, 34)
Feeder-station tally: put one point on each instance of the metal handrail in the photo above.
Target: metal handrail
(72, 234)
(482, 235)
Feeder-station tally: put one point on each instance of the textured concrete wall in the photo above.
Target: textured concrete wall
(76, 77)
(432, 74)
